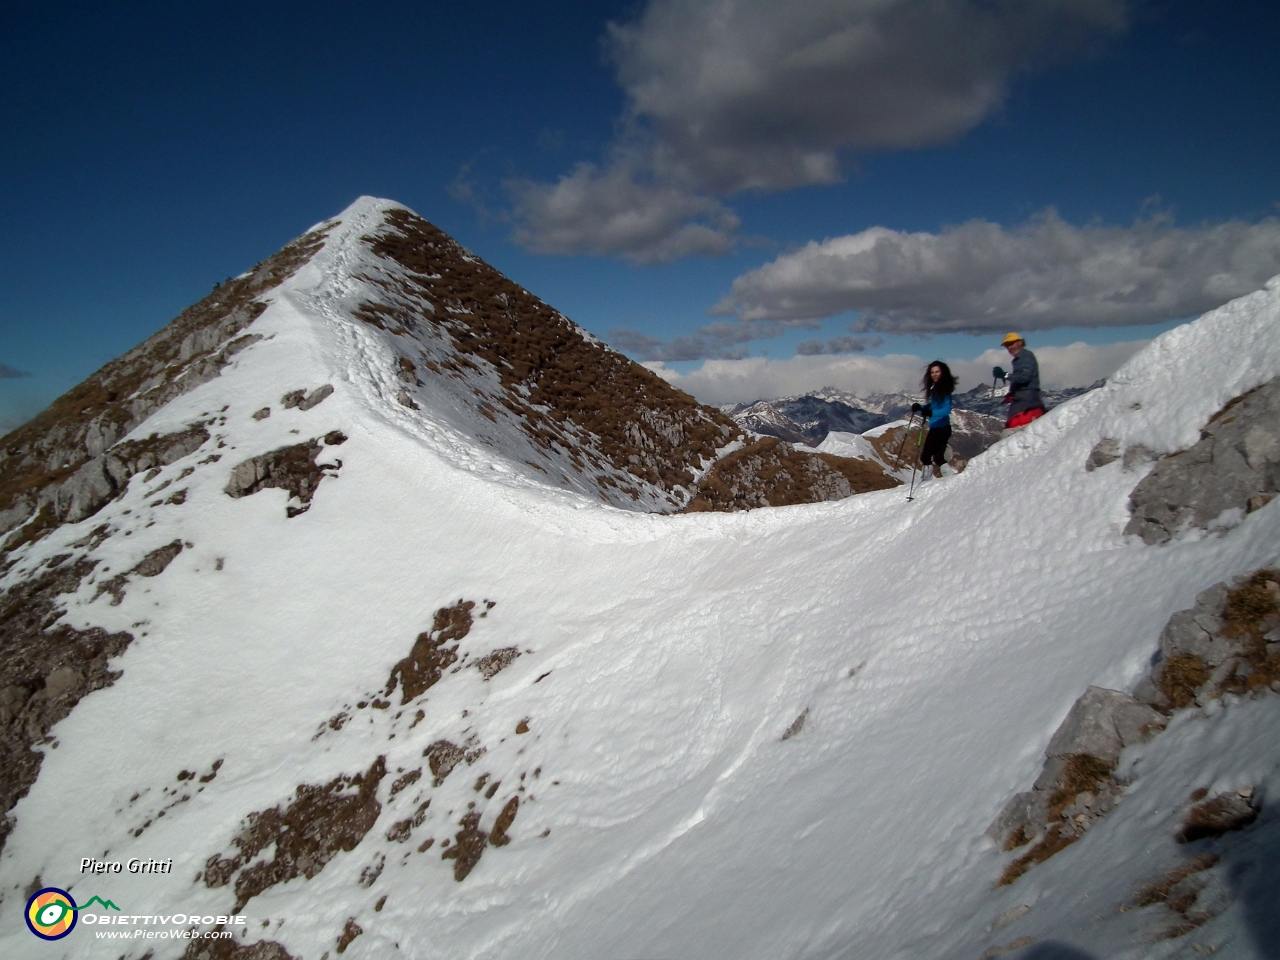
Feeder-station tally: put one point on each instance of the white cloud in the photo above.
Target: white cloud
(755, 378)
(616, 212)
(732, 95)
(980, 277)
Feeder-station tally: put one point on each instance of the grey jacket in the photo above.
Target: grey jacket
(1024, 383)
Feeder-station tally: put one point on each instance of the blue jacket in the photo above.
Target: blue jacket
(938, 412)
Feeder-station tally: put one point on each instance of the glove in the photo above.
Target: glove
(926, 410)
(916, 408)
(997, 373)
(1008, 398)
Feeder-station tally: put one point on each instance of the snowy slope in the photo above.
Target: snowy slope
(931, 649)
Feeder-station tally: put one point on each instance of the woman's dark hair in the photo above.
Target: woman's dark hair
(946, 384)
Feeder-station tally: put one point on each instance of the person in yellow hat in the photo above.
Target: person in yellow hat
(1025, 402)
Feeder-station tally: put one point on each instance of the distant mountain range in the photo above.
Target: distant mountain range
(809, 418)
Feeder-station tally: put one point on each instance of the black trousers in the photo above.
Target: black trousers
(935, 446)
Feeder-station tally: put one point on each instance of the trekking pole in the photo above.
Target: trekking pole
(905, 433)
(915, 461)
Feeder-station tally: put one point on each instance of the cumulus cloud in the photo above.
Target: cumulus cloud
(755, 378)
(9, 373)
(732, 95)
(757, 94)
(716, 340)
(980, 277)
(617, 211)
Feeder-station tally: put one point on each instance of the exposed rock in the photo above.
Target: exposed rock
(105, 477)
(291, 468)
(442, 756)
(468, 846)
(305, 835)
(498, 835)
(1103, 452)
(1075, 787)
(1235, 462)
(152, 565)
(1102, 723)
(349, 932)
(304, 400)
(88, 421)
(497, 661)
(796, 725)
(1218, 646)
(431, 655)
(45, 669)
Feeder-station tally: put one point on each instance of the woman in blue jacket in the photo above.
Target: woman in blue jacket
(939, 384)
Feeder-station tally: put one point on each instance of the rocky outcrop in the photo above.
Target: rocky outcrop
(1228, 643)
(1075, 788)
(1232, 470)
(45, 668)
(302, 837)
(292, 469)
(770, 473)
(63, 464)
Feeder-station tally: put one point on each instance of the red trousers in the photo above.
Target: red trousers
(1023, 418)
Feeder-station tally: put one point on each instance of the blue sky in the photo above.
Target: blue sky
(1090, 170)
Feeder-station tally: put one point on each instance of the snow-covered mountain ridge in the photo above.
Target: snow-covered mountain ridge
(776, 733)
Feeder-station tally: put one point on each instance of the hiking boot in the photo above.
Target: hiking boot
(937, 471)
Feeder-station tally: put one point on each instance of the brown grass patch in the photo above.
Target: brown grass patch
(562, 388)
(1083, 773)
(1157, 891)
(1018, 838)
(1053, 842)
(1250, 603)
(1216, 816)
(1183, 674)
(772, 473)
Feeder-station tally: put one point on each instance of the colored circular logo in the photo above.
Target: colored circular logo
(51, 913)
